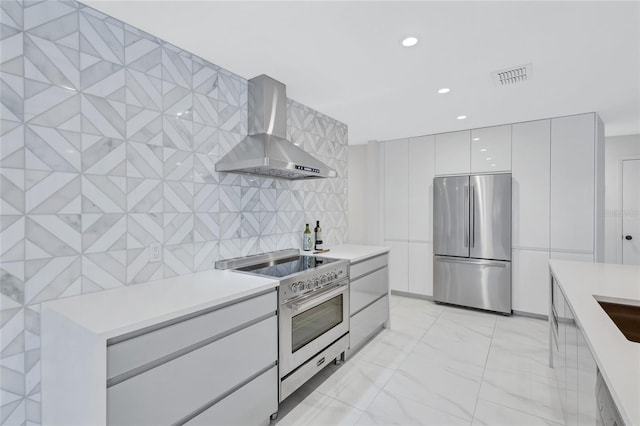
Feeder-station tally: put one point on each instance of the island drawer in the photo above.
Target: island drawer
(135, 350)
(176, 389)
(368, 288)
(234, 410)
(360, 268)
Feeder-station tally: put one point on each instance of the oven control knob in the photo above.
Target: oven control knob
(309, 286)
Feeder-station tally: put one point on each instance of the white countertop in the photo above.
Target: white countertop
(124, 309)
(618, 358)
(354, 252)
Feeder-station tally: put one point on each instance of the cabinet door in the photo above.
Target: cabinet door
(530, 281)
(421, 268)
(571, 362)
(396, 190)
(421, 172)
(572, 182)
(530, 156)
(587, 374)
(452, 152)
(398, 265)
(491, 149)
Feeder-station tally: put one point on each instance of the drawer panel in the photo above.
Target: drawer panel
(361, 268)
(367, 321)
(234, 409)
(140, 350)
(171, 391)
(368, 288)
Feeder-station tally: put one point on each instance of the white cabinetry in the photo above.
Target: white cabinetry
(573, 183)
(192, 367)
(369, 299)
(421, 268)
(531, 156)
(530, 281)
(491, 149)
(398, 265)
(396, 190)
(452, 152)
(574, 366)
(421, 172)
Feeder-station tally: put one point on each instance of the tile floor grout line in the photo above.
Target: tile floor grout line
(484, 369)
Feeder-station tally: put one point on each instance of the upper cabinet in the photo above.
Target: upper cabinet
(421, 171)
(573, 183)
(491, 149)
(531, 162)
(396, 190)
(452, 155)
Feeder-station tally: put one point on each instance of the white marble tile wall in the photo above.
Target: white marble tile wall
(109, 141)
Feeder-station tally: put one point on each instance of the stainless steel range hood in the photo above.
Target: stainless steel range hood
(266, 151)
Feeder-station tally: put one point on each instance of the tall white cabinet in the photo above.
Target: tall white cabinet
(408, 207)
(558, 208)
(396, 207)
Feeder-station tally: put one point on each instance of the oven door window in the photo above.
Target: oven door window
(314, 322)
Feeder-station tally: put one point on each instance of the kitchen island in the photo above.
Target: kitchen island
(618, 359)
(369, 290)
(187, 349)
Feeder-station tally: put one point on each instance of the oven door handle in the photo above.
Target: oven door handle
(317, 299)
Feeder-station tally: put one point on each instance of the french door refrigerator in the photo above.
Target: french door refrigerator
(472, 241)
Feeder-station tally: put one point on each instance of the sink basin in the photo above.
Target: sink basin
(625, 317)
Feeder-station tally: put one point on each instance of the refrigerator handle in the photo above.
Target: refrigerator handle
(472, 212)
(466, 216)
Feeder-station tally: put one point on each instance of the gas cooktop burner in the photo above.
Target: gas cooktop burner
(284, 267)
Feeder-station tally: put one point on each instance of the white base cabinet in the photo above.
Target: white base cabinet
(368, 299)
(574, 366)
(530, 281)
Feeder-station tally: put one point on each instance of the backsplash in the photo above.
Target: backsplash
(109, 141)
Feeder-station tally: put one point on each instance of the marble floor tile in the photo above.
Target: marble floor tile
(529, 393)
(522, 331)
(317, 409)
(357, 383)
(468, 357)
(516, 358)
(390, 409)
(439, 386)
(492, 414)
(388, 349)
(437, 365)
(413, 322)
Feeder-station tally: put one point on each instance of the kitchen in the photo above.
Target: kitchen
(93, 180)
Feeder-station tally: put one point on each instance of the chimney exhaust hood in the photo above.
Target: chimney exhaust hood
(266, 151)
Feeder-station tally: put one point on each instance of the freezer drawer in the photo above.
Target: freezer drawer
(483, 284)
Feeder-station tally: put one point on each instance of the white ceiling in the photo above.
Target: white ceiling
(344, 58)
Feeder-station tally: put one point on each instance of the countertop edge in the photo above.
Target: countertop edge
(586, 324)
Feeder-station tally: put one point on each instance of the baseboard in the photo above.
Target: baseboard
(411, 295)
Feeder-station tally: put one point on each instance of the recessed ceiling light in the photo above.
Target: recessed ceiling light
(476, 139)
(489, 158)
(444, 90)
(461, 117)
(409, 41)
(483, 150)
(493, 165)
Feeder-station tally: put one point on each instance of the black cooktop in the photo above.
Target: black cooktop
(288, 266)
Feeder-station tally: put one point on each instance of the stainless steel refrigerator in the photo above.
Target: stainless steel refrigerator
(472, 241)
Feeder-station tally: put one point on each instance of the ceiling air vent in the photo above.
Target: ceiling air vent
(512, 75)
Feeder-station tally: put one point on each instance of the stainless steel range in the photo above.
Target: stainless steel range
(314, 310)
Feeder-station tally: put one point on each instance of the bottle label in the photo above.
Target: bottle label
(306, 242)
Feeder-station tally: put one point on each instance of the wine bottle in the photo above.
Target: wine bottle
(306, 239)
(318, 234)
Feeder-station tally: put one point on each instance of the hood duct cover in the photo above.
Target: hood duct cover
(266, 151)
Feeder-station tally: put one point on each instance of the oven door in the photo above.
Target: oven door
(311, 323)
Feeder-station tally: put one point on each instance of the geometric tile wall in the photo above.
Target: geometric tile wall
(109, 141)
